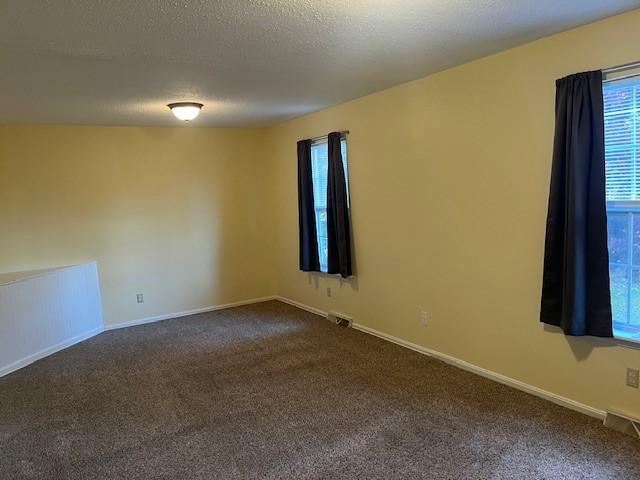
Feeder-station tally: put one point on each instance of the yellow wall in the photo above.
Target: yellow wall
(180, 214)
(449, 182)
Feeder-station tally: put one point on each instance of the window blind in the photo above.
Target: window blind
(622, 139)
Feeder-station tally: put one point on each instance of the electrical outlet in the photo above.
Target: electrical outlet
(633, 377)
(140, 298)
(328, 291)
(424, 321)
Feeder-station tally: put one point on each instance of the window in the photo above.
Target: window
(319, 171)
(622, 165)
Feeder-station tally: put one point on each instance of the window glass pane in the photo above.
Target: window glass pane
(636, 239)
(622, 169)
(320, 172)
(343, 150)
(630, 328)
(617, 226)
(634, 318)
(619, 285)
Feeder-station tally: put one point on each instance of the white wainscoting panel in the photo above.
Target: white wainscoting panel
(44, 311)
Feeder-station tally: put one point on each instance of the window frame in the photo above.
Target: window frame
(629, 208)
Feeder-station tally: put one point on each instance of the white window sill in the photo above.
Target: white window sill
(627, 341)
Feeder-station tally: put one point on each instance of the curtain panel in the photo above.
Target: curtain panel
(575, 289)
(338, 223)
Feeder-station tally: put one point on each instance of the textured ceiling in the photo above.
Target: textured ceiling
(251, 62)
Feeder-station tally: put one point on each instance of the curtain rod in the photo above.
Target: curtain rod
(621, 68)
(322, 137)
(621, 77)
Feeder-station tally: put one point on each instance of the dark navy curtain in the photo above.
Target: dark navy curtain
(338, 225)
(575, 289)
(309, 260)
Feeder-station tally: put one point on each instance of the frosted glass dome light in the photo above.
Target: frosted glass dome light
(185, 110)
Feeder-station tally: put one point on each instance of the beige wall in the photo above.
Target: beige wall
(179, 214)
(449, 181)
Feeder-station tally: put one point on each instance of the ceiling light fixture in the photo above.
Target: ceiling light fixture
(185, 110)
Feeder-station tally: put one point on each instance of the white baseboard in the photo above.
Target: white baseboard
(302, 306)
(456, 362)
(84, 336)
(563, 401)
(23, 362)
(168, 316)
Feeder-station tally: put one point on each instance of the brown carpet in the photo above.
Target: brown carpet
(267, 392)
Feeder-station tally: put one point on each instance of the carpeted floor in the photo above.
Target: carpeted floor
(268, 391)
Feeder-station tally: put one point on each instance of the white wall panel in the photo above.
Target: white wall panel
(45, 311)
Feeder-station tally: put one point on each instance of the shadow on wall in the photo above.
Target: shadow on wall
(313, 279)
(582, 347)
